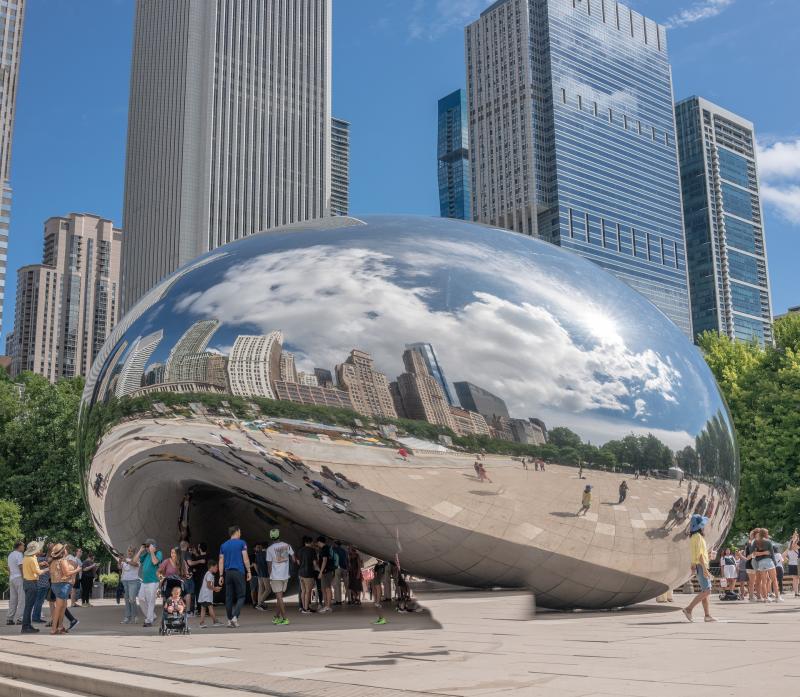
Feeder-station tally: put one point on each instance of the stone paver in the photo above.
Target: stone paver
(471, 643)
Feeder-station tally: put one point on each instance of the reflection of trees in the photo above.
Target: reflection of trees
(716, 450)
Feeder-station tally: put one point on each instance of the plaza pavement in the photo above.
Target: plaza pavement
(466, 643)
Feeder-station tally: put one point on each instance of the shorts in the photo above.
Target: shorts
(278, 585)
(327, 579)
(765, 564)
(307, 583)
(792, 570)
(742, 577)
(702, 579)
(188, 586)
(205, 604)
(750, 572)
(62, 590)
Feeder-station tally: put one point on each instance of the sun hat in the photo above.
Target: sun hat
(58, 551)
(698, 522)
(274, 534)
(33, 548)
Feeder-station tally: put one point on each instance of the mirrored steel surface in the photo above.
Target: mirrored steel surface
(266, 378)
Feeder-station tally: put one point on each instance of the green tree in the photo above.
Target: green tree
(762, 388)
(562, 437)
(10, 532)
(38, 458)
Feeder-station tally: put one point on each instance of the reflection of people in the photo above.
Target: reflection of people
(699, 552)
(623, 491)
(586, 500)
(402, 452)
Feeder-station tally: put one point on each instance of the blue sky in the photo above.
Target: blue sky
(392, 60)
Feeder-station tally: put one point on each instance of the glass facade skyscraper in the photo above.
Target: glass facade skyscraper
(724, 222)
(572, 137)
(434, 368)
(453, 157)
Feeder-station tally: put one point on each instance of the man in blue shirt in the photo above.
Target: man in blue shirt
(234, 573)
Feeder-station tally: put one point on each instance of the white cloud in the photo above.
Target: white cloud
(429, 20)
(697, 12)
(561, 351)
(779, 170)
(779, 160)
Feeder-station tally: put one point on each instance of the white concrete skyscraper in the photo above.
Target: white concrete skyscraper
(229, 127)
(12, 15)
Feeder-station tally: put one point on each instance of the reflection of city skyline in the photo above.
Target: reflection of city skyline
(259, 366)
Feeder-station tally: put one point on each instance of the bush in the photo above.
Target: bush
(110, 580)
(10, 532)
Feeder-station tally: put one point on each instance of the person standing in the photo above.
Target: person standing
(198, 566)
(354, 582)
(205, 598)
(263, 577)
(326, 568)
(586, 500)
(76, 585)
(699, 554)
(88, 570)
(764, 562)
(30, 576)
(377, 591)
(340, 573)
(149, 560)
(62, 579)
(623, 491)
(16, 594)
(278, 555)
(42, 586)
(129, 577)
(234, 574)
(792, 556)
(307, 571)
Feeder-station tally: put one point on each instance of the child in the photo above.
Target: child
(205, 598)
(586, 500)
(175, 604)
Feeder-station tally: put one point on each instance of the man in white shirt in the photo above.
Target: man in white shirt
(16, 598)
(278, 556)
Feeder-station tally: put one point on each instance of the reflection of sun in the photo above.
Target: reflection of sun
(602, 327)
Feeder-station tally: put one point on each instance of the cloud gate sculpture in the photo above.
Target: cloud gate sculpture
(429, 390)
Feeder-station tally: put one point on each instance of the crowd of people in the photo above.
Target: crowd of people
(188, 579)
(754, 573)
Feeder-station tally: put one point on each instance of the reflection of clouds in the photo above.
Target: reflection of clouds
(557, 351)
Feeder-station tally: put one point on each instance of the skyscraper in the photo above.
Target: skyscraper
(420, 393)
(132, 373)
(474, 398)
(724, 224)
(254, 364)
(368, 388)
(12, 16)
(434, 368)
(229, 127)
(453, 157)
(340, 167)
(68, 304)
(572, 137)
(192, 343)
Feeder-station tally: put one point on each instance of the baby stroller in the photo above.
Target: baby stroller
(172, 622)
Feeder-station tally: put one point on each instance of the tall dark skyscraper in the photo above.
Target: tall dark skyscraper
(453, 157)
(475, 398)
(724, 223)
(572, 137)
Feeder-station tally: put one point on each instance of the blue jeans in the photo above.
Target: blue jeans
(41, 594)
(235, 592)
(131, 591)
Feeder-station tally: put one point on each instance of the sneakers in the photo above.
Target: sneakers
(217, 623)
(279, 620)
(687, 614)
(74, 624)
(202, 625)
(380, 620)
(30, 630)
(10, 622)
(260, 608)
(303, 611)
(147, 624)
(780, 599)
(324, 609)
(125, 622)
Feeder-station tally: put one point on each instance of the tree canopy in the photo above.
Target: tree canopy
(762, 387)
